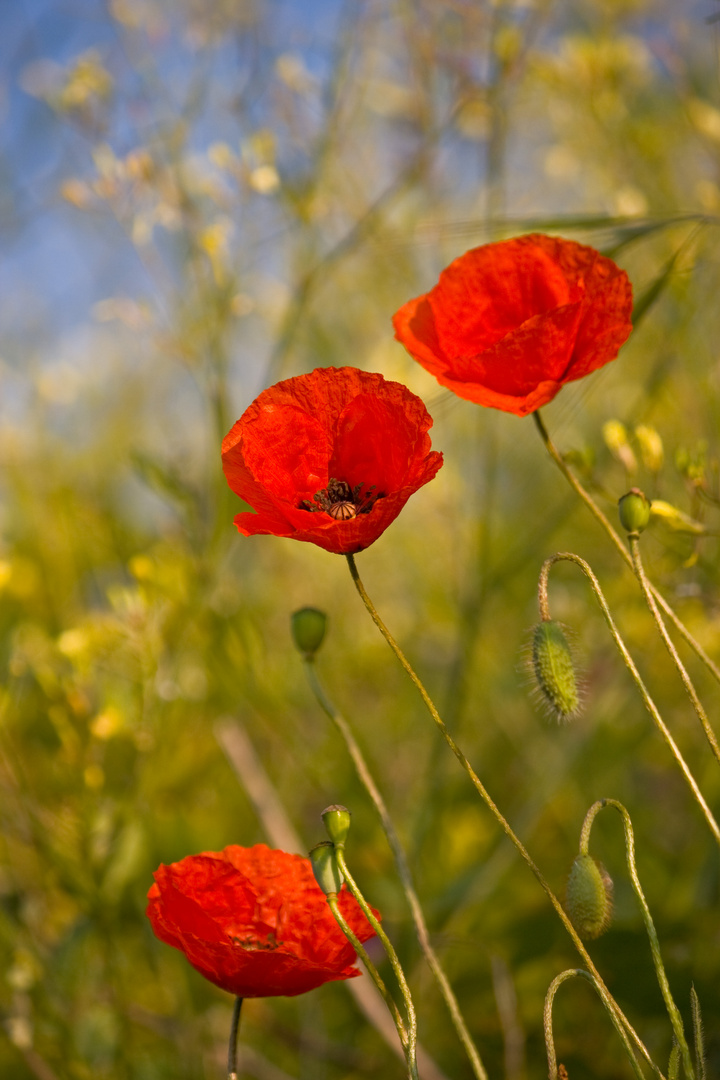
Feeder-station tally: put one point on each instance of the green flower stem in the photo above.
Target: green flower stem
(411, 1048)
(495, 811)
(232, 1045)
(403, 868)
(673, 1012)
(547, 1021)
(617, 541)
(376, 978)
(687, 682)
(566, 556)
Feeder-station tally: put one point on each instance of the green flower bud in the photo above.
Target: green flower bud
(634, 511)
(554, 670)
(325, 868)
(337, 823)
(589, 897)
(308, 626)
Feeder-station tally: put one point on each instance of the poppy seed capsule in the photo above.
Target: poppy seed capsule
(308, 626)
(554, 669)
(336, 819)
(589, 897)
(343, 511)
(634, 511)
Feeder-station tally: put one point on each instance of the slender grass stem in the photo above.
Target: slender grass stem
(672, 1009)
(411, 1047)
(567, 556)
(687, 681)
(617, 541)
(497, 814)
(403, 868)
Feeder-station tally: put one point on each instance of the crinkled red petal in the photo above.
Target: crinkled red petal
(337, 423)
(253, 921)
(509, 324)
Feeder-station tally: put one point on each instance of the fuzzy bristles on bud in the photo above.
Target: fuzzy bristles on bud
(589, 897)
(554, 670)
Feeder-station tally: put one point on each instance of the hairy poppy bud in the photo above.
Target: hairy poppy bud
(337, 823)
(634, 511)
(589, 897)
(326, 870)
(554, 669)
(308, 626)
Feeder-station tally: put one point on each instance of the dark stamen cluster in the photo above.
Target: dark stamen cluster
(341, 501)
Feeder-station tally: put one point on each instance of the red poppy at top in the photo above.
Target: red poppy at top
(508, 324)
(330, 457)
(254, 922)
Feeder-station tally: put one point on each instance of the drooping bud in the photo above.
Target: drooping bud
(308, 626)
(337, 823)
(589, 897)
(634, 511)
(554, 670)
(325, 868)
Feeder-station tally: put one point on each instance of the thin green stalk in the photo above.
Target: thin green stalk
(698, 1034)
(495, 811)
(232, 1044)
(403, 868)
(547, 1022)
(687, 681)
(617, 541)
(672, 1009)
(566, 556)
(375, 976)
(411, 1048)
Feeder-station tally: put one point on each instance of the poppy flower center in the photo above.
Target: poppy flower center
(341, 501)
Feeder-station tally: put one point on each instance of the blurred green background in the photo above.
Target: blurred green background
(200, 198)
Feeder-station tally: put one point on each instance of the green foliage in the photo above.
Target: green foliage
(285, 192)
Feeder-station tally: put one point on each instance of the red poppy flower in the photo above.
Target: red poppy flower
(331, 457)
(254, 922)
(508, 324)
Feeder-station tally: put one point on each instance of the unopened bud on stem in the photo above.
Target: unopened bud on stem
(634, 511)
(308, 627)
(554, 669)
(589, 897)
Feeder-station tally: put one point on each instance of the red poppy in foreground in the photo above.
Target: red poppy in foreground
(508, 324)
(331, 457)
(254, 921)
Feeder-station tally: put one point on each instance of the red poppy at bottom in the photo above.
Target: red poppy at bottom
(508, 324)
(329, 458)
(254, 922)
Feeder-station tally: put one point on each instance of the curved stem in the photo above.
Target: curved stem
(547, 1022)
(566, 556)
(403, 869)
(411, 1046)
(687, 681)
(598, 514)
(672, 1009)
(372, 970)
(232, 1044)
(497, 814)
